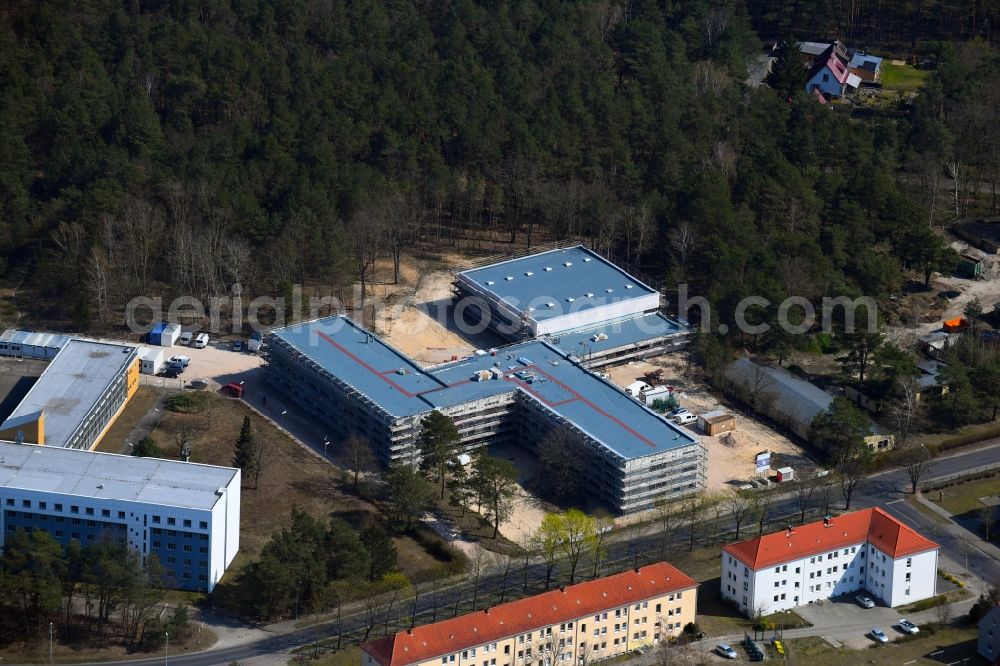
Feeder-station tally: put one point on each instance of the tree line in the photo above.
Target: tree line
(102, 591)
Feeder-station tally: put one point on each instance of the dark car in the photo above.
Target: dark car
(171, 371)
(238, 345)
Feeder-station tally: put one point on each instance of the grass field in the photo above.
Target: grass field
(292, 476)
(953, 643)
(964, 497)
(903, 77)
(116, 436)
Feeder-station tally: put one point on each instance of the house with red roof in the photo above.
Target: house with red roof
(867, 550)
(575, 624)
(830, 74)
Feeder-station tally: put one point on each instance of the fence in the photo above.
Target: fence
(981, 472)
(161, 382)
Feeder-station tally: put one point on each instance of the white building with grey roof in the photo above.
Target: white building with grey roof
(186, 514)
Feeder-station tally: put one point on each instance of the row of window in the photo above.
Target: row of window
(172, 546)
(90, 511)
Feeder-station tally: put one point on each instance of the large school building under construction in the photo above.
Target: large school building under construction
(519, 393)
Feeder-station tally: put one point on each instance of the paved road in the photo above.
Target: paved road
(885, 490)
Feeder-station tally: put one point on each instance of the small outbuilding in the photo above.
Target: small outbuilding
(150, 360)
(165, 334)
(785, 474)
(716, 422)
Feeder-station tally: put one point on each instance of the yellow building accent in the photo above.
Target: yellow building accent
(34, 431)
(131, 386)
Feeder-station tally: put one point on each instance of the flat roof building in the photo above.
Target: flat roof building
(571, 624)
(517, 394)
(77, 397)
(185, 513)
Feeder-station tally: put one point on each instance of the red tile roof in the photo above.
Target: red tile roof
(873, 525)
(517, 617)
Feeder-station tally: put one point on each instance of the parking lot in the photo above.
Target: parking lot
(216, 365)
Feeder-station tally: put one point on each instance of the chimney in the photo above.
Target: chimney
(562, 588)
(487, 610)
(827, 521)
(409, 632)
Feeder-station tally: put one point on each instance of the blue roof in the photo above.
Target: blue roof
(597, 407)
(159, 328)
(621, 332)
(860, 60)
(360, 359)
(546, 283)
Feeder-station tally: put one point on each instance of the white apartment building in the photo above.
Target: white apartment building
(863, 550)
(187, 514)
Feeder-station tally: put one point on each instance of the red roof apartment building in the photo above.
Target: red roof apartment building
(862, 550)
(578, 623)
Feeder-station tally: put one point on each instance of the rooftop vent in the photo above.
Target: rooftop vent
(570, 299)
(567, 264)
(547, 269)
(509, 278)
(590, 294)
(609, 290)
(489, 282)
(100, 486)
(628, 286)
(550, 304)
(528, 273)
(401, 371)
(586, 258)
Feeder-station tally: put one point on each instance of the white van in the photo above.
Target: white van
(185, 338)
(200, 341)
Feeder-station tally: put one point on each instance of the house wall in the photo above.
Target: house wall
(830, 87)
(845, 570)
(608, 633)
(180, 537)
(988, 644)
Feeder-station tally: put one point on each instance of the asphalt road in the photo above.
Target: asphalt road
(885, 490)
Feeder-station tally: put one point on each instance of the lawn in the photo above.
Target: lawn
(954, 644)
(903, 77)
(964, 497)
(136, 409)
(293, 476)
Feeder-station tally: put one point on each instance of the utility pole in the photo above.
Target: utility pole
(166, 648)
(50, 644)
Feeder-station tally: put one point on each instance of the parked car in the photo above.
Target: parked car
(234, 389)
(879, 635)
(170, 371)
(908, 627)
(185, 338)
(180, 360)
(685, 418)
(864, 601)
(200, 341)
(237, 345)
(676, 411)
(725, 651)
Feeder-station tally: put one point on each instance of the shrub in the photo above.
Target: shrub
(188, 402)
(147, 448)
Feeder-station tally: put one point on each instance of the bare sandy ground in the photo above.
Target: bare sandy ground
(987, 291)
(730, 455)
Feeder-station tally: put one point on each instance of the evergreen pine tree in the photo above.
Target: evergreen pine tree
(246, 455)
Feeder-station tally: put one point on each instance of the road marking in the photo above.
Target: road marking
(895, 501)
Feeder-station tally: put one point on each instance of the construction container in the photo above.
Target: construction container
(150, 360)
(785, 474)
(716, 422)
(165, 334)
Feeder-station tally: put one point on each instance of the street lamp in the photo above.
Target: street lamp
(166, 648)
(297, 583)
(326, 443)
(50, 644)
(283, 418)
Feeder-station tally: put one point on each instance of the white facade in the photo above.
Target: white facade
(186, 514)
(150, 360)
(846, 569)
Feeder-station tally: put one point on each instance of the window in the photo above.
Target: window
(658, 607)
(171, 521)
(776, 597)
(89, 510)
(26, 503)
(156, 520)
(43, 505)
(105, 513)
(909, 562)
(907, 592)
(203, 524)
(187, 522)
(679, 595)
(10, 501)
(798, 569)
(777, 569)
(121, 515)
(826, 77)
(907, 576)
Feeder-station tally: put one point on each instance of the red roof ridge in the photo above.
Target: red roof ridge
(875, 526)
(509, 619)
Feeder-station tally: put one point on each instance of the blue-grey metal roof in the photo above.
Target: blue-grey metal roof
(597, 407)
(362, 361)
(108, 476)
(793, 396)
(72, 385)
(865, 61)
(621, 332)
(548, 280)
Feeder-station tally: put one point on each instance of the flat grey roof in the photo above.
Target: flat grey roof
(108, 476)
(72, 385)
(546, 283)
(602, 410)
